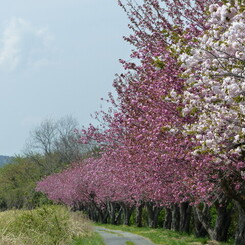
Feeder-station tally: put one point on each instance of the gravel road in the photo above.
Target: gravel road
(116, 237)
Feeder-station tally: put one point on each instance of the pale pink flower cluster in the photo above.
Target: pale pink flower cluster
(215, 94)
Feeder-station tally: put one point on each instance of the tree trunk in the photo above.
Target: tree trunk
(199, 230)
(118, 214)
(95, 212)
(222, 223)
(104, 216)
(175, 225)
(153, 212)
(185, 217)
(240, 234)
(127, 212)
(239, 200)
(204, 218)
(168, 218)
(139, 209)
(111, 207)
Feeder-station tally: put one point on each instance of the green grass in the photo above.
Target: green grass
(160, 236)
(93, 239)
(130, 243)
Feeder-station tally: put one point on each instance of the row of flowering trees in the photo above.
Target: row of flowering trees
(174, 137)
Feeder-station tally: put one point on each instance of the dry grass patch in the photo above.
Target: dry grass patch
(43, 226)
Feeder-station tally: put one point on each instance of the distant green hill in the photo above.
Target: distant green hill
(4, 160)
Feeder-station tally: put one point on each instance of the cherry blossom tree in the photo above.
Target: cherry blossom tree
(175, 100)
(214, 98)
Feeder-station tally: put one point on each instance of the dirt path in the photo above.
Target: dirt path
(116, 237)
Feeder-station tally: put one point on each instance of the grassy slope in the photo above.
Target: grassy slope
(49, 225)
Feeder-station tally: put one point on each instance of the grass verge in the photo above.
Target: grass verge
(165, 237)
(93, 239)
(130, 243)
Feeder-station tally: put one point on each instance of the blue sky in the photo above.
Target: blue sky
(57, 58)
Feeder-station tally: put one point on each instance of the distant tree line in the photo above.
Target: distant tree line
(52, 146)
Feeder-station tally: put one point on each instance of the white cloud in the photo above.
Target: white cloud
(23, 45)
